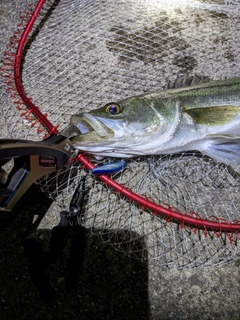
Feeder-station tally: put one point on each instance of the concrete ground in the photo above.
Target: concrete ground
(206, 293)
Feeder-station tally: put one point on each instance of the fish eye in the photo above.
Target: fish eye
(113, 108)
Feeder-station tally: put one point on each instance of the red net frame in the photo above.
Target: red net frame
(12, 72)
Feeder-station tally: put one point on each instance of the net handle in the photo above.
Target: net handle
(190, 219)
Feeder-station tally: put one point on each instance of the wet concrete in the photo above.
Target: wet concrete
(204, 293)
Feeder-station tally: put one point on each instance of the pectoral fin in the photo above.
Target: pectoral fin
(212, 116)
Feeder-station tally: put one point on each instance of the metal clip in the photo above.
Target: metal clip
(32, 160)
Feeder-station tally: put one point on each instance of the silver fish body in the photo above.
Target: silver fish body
(203, 117)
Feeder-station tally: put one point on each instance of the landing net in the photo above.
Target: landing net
(81, 55)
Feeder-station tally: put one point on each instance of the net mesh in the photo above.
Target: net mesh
(81, 55)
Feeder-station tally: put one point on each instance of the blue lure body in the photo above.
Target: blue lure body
(109, 168)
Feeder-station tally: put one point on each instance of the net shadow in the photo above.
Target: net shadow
(112, 283)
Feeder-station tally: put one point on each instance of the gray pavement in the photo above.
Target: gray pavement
(206, 293)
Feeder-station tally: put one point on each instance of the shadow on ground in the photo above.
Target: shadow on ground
(112, 285)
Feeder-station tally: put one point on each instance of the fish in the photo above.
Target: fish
(189, 115)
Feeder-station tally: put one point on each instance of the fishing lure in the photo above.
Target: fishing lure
(109, 168)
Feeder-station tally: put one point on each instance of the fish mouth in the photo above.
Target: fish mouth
(91, 127)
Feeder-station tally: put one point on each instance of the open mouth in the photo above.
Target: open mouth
(90, 126)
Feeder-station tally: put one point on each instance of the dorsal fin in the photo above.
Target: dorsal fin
(183, 82)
